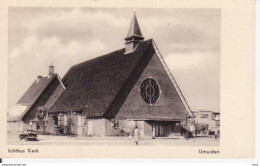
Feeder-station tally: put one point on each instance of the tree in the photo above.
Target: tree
(201, 126)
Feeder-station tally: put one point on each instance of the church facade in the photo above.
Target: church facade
(114, 93)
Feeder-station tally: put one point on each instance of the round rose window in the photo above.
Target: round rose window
(150, 91)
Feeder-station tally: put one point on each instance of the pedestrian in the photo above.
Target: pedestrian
(216, 133)
(136, 135)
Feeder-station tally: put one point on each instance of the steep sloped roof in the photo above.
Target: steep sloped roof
(32, 94)
(130, 105)
(35, 90)
(53, 98)
(134, 29)
(100, 86)
(91, 86)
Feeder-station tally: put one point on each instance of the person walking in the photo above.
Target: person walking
(216, 133)
(136, 135)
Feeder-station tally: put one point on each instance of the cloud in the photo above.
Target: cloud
(187, 38)
(67, 25)
(180, 61)
(80, 25)
(197, 75)
(51, 49)
(185, 30)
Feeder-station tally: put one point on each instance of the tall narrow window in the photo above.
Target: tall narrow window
(59, 119)
(65, 120)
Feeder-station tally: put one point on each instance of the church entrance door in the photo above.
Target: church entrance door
(165, 128)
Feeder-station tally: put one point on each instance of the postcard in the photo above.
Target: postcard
(139, 79)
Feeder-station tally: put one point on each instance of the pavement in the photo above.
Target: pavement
(114, 141)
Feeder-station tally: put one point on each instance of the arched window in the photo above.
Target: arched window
(150, 91)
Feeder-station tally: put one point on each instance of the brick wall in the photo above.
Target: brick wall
(148, 129)
(169, 105)
(98, 127)
(127, 126)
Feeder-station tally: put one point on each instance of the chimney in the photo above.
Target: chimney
(39, 77)
(51, 70)
(134, 36)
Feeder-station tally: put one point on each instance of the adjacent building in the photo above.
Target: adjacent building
(209, 118)
(39, 97)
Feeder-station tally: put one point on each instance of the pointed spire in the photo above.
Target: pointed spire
(134, 29)
(134, 36)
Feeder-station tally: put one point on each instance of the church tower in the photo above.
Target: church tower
(134, 36)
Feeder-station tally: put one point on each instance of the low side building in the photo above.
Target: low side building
(43, 92)
(210, 118)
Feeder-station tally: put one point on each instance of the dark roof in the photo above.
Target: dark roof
(91, 86)
(134, 29)
(53, 98)
(32, 94)
(35, 90)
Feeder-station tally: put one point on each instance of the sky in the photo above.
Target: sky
(188, 39)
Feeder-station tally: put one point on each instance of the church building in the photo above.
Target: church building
(112, 94)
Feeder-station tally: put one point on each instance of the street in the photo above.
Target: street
(113, 141)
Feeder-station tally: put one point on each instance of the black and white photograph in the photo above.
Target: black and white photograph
(113, 76)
